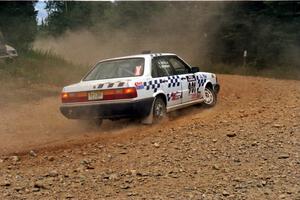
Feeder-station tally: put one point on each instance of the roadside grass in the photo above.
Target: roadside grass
(35, 75)
(37, 67)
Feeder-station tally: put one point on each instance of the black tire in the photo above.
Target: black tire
(210, 97)
(159, 110)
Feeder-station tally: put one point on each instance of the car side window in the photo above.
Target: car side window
(161, 67)
(154, 69)
(179, 66)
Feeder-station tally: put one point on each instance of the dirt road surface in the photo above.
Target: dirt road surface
(246, 147)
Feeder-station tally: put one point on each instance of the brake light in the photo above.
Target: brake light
(64, 95)
(74, 97)
(123, 93)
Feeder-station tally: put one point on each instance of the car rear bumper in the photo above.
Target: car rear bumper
(134, 109)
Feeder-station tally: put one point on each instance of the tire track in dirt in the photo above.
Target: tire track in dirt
(39, 124)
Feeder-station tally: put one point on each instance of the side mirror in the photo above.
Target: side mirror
(195, 69)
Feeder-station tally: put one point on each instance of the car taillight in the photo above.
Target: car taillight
(74, 97)
(123, 93)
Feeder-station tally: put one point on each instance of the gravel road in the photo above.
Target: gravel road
(246, 147)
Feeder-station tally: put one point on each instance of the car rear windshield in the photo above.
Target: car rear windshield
(130, 67)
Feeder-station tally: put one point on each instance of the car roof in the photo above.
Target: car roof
(140, 56)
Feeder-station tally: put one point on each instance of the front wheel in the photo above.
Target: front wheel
(159, 110)
(210, 97)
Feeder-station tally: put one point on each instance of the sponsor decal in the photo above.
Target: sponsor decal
(139, 85)
(174, 96)
(190, 78)
(196, 96)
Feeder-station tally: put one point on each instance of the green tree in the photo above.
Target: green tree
(64, 15)
(267, 30)
(18, 23)
(71, 15)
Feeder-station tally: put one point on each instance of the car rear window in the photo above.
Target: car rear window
(130, 67)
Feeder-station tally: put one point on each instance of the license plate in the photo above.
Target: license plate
(95, 95)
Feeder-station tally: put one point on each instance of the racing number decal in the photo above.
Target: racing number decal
(192, 83)
(192, 87)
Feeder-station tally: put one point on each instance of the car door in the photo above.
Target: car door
(163, 71)
(187, 78)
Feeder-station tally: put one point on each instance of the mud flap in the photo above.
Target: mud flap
(149, 119)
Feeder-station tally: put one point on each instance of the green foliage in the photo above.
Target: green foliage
(269, 31)
(18, 23)
(66, 15)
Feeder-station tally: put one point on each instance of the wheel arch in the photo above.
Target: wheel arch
(162, 96)
(209, 85)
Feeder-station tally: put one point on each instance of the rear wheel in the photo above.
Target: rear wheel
(210, 97)
(159, 110)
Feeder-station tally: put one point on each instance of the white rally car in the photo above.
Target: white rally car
(145, 86)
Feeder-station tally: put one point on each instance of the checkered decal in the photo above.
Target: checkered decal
(110, 85)
(201, 79)
(153, 84)
(100, 86)
(173, 81)
(121, 84)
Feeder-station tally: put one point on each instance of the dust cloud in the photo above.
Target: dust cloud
(184, 32)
